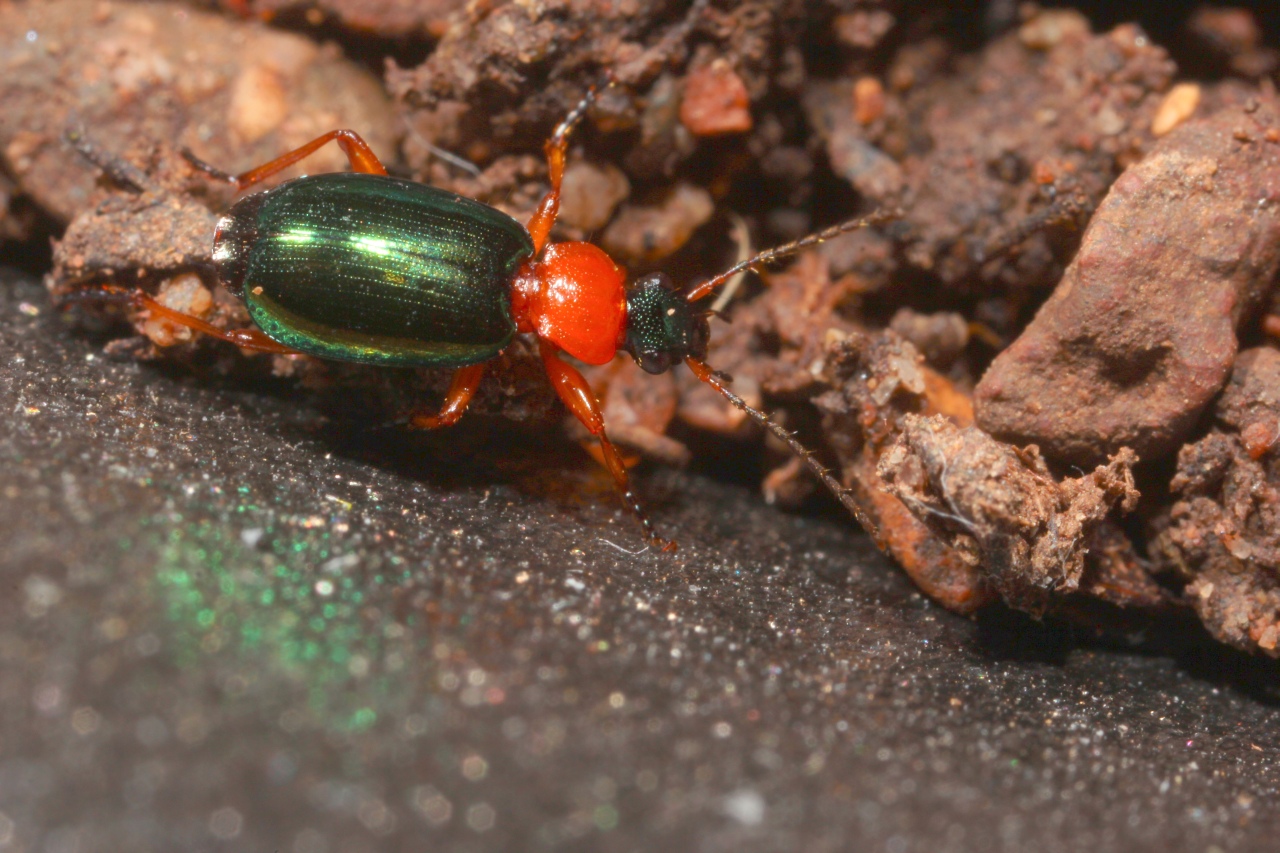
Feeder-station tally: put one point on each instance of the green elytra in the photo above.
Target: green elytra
(375, 270)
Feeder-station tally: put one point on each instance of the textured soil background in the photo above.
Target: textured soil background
(229, 627)
(243, 612)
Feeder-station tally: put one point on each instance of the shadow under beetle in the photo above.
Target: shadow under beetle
(363, 267)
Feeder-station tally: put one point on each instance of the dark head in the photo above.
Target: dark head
(662, 328)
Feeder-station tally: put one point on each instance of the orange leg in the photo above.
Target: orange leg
(577, 396)
(357, 150)
(542, 220)
(247, 338)
(463, 387)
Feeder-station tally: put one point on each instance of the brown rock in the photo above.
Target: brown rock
(1140, 333)
(648, 233)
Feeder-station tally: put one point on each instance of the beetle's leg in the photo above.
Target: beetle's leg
(463, 387)
(357, 150)
(578, 397)
(556, 147)
(246, 338)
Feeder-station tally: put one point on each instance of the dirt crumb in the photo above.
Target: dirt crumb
(1178, 106)
(590, 194)
(186, 294)
(649, 233)
(955, 151)
(941, 337)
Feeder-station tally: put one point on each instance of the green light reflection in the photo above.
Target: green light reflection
(278, 615)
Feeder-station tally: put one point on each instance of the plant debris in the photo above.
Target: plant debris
(878, 384)
(1000, 508)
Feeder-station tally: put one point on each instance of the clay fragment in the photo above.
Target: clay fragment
(1141, 332)
(999, 507)
(715, 101)
(1222, 534)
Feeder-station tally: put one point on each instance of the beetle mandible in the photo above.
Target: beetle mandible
(363, 267)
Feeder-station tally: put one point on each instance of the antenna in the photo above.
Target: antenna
(716, 381)
(791, 248)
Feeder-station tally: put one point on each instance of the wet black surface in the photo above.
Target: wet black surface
(223, 628)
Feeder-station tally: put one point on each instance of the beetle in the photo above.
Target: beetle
(363, 267)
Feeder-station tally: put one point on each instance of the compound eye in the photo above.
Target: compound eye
(654, 362)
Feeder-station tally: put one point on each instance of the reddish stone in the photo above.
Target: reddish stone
(715, 101)
(1141, 332)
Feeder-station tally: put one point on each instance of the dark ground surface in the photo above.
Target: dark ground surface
(231, 625)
